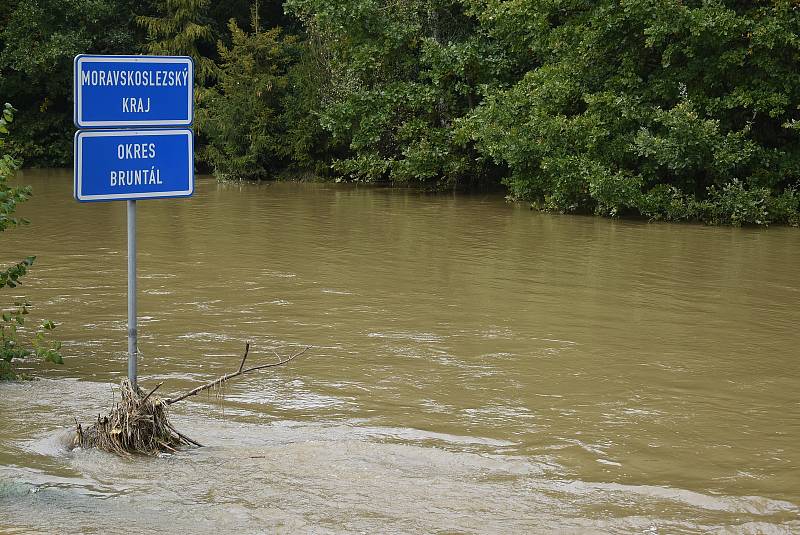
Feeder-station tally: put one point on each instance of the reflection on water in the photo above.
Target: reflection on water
(476, 367)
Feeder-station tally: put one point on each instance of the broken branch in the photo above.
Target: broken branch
(244, 357)
(151, 392)
(229, 376)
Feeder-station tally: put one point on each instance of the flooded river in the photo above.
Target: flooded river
(475, 367)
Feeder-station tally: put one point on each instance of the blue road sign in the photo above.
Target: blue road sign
(115, 165)
(133, 91)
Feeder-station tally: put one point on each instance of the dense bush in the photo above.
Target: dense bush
(675, 110)
(395, 78)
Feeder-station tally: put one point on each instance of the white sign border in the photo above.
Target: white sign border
(78, 165)
(77, 110)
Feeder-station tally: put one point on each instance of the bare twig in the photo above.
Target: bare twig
(228, 376)
(184, 437)
(151, 392)
(279, 363)
(244, 357)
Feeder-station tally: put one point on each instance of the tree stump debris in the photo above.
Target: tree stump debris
(139, 424)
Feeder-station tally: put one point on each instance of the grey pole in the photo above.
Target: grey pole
(132, 293)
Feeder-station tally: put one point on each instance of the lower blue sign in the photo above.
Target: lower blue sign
(133, 164)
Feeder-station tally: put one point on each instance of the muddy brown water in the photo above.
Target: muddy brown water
(476, 367)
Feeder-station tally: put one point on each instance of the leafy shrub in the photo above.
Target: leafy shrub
(784, 208)
(13, 344)
(667, 203)
(734, 205)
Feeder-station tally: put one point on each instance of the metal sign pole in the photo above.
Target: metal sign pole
(133, 142)
(132, 292)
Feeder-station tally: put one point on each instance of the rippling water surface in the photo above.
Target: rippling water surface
(475, 367)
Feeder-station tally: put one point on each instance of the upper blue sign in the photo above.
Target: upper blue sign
(131, 91)
(116, 165)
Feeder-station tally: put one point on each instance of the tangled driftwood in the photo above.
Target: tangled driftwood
(139, 422)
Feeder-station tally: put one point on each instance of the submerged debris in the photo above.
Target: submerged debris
(139, 422)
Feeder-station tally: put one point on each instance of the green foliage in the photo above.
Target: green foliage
(14, 346)
(242, 116)
(38, 41)
(309, 146)
(668, 203)
(733, 204)
(182, 27)
(10, 277)
(10, 197)
(658, 108)
(395, 77)
(13, 343)
(7, 372)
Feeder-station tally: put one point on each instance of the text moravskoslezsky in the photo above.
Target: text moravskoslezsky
(130, 78)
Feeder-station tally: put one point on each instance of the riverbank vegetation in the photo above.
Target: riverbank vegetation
(660, 109)
(15, 341)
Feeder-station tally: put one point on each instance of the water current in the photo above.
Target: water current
(475, 367)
